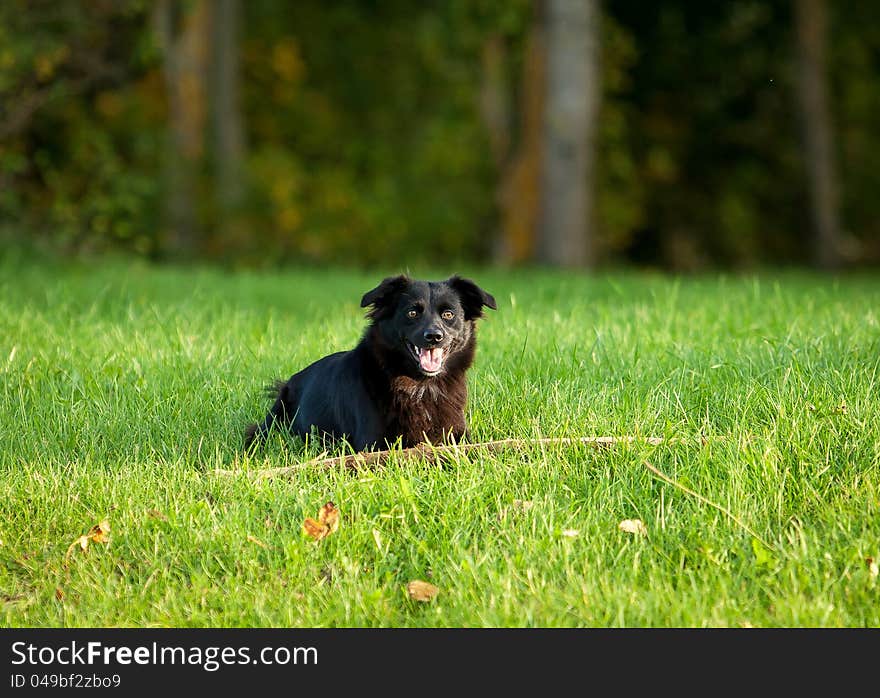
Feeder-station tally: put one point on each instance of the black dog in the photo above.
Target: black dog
(404, 380)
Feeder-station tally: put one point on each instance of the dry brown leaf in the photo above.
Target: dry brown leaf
(634, 526)
(59, 593)
(517, 506)
(82, 542)
(256, 541)
(314, 529)
(156, 514)
(100, 533)
(873, 568)
(327, 523)
(421, 591)
(329, 516)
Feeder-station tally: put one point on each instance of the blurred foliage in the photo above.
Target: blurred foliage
(81, 123)
(366, 142)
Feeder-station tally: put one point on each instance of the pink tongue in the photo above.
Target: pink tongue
(431, 359)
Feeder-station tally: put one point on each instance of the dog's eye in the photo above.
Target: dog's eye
(412, 313)
(447, 315)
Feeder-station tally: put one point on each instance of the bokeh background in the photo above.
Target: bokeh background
(378, 133)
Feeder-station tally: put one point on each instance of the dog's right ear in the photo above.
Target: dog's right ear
(384, 293)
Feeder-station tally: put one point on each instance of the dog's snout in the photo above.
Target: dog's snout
(434, 335)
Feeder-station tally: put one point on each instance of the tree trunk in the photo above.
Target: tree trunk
(494, 105)
(817, 132)
(519, 184)
(571, 109)
(183, 36)
(228, 131)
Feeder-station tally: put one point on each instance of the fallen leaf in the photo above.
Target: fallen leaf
(873, 568)
(421, 591)
(314, 529)
(82, 542)
(571, 533)
(100, 533)
(517, 506)
(329, 516)
(256, 541)
(327, 523)
(634, 526)
(156, 514)
(59, 593)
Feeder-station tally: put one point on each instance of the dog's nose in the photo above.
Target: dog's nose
(434, 335)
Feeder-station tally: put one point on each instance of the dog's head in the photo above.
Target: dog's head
(427, 322)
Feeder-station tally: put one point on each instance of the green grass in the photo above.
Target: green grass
(125, 386)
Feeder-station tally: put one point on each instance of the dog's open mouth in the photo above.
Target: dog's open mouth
(430, 358)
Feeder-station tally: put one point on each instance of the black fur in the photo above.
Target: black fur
(390, 386)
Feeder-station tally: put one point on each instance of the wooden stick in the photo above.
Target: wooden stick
(438, 453)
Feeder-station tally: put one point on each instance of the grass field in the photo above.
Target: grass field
(125, 386)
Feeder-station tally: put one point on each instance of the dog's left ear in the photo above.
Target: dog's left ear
(384, 293)
(473, 298)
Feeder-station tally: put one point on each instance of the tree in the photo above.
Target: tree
(811, 21)
(183, 33)
(570, 110)
(228, 131)
(519, 168)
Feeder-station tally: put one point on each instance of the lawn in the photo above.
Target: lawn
(124, 387)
